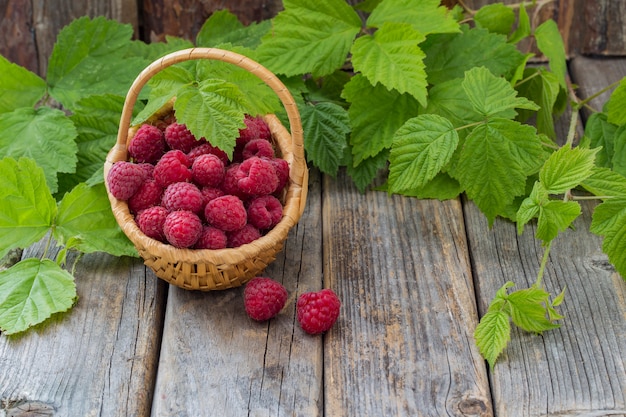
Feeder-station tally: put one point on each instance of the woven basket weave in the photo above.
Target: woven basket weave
(204, 269)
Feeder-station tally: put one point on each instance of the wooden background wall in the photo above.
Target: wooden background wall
(28, 28)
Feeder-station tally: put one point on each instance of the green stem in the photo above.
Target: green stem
(590, 197)
(530, 77)
(542, 268)
(470, 125)
(604, 90)
(48, 243)
(571, 133)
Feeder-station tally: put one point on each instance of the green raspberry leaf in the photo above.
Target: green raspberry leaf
(601, 134)
(463, 51)
(426, 16)
(496, 18)
(619, 156)
(223, 27)
(326, 126)
(609, 221)
(375, 115)
(492, 335)
(493, 96)
(495, 161)
(528, 310)
(85, 217)
(391, 57)
(31, 291)
(555, 216)
(523, 29)
(550, 43)
(542, 87)
(18, 86)
(529, 209)
(615, 107)
(364, 173)
(420, 149)
(310, 37)
(28, 209)
(567, 168)
(45, 135)
(214, 110)
(442, 187)
(604, 182)
(98, 64)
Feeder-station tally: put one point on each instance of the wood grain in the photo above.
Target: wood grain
(578, 369)
(216, 358)
(99, 358)
(403, 344)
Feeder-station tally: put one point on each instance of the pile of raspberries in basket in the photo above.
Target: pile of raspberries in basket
(186, 192)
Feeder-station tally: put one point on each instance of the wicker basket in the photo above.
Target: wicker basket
(204, 269)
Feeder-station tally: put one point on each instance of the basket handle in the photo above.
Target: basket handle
(242, 61)
(234, 58)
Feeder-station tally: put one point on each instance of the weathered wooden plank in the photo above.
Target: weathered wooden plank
(578, 369)
(18, 43)
(403, 344)
(215, 358)
(99, 358)
(184, 18)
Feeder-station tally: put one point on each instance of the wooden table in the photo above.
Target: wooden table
(414, 276)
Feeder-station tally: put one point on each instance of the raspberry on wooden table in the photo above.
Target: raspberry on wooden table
(317, 311)
(264, 298)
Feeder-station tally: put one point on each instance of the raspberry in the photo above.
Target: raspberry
(183, 196)
(257, 176)
(226, 213)
(209, 193)
(263, 298)
(148, 144)
(211, 238)
(125, 178)
(256, 128)
(282, 172)
(172, 167)
(246, 234)
(258, 147)
(177, 136)
(182, 228)
(150, 222)
(208, 170)
(207, 148)
(265, 212)
(230, 184)
(148, 195)
(317, 311)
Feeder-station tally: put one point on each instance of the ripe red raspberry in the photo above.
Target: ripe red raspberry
(125, 178)
(227, 213)
(148, 195)
(317, 311)
(256, 128)
(263, 298)
(230, 185)
(258, 147)
(151, 220)
(177, 136)
(172, 167)
(207, 148)
(208, 170)
(257, 176)
(148, 144)
(209, 193)
(183, 196)
(282, 172)
(246, 234)
(265, 212)
(211, 238)
(182, 228)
